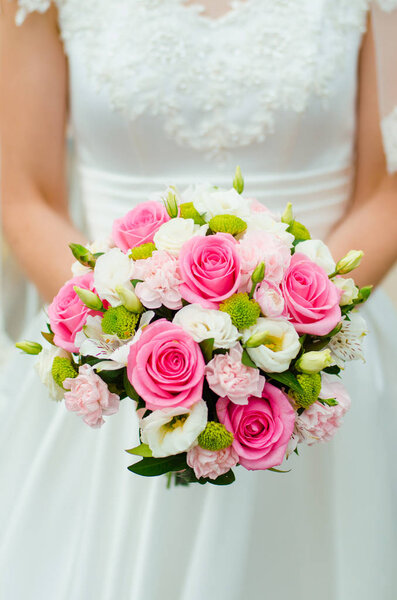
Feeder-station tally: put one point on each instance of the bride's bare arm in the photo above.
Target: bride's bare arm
(33, 111)
(371, 224)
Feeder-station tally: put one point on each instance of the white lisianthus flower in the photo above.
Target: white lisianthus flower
(319, 253)
(43, 366)
(171, 236)
(349, 289)
(210, 202)
(205, 323)
(348, 343)
(100, 245)
(113, 269)
(174, 430)
(280, 346)
(264, 221)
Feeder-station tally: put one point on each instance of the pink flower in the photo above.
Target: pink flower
(227, 376)
(90, 397)
(207, 463)
(312, 300)
(68, 314)
(258, 207)
(261, 429)
(268, 296)
(319, 422)
(161, 281)
(139, 225)
(210, 268)
(166, 366)
(262, 246)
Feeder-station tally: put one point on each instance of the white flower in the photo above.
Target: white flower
(348, 343)
(210, 202)
(171, 236)
(43, 366)
(319, 253)
(173, 430)
(349, 290)
(264, 221)
(205, 323)
(281, 346)
(100, 245)
(113, 269)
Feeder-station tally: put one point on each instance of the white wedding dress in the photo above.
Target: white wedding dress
(162, 94)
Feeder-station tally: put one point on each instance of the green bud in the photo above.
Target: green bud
(171, 204)
(365, 292)
(29, 347)
(349, 262)
(313, 362)
(256, 340)
(259, 274)
(287, 216)
(129, 299)
(238, 181)
(299, 231)
(83, 255)
(88, 298)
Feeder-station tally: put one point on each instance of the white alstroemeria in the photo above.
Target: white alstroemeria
(319, 253)
(205, 323)
(280, 346)
(99, 245)
(43, 366)
(113, 269)
(171, 236)
(264, 221)
(174, 430)
(349, 289)
(210, 201)
(348, 343)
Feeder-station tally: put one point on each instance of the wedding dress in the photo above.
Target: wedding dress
(161, 94)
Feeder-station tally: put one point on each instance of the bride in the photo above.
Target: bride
(169, 91)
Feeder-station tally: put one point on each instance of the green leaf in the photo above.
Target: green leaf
(332, 370)
(141, 450)
(288, 379)
(225, 479)
(277, 470)
(247, 361)
(98, 254)
(207, 348)
(49, 337)
(130, 390)
(328, 401)
(135, 281)
(151, 467)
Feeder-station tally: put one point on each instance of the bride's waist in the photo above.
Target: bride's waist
(319, 197)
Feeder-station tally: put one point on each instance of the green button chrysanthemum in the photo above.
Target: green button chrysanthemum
(61, 369)
(187, 211)
(119, 321)
(311, 385)
(142, 251)
(227, 224)
(215, 437)
(243, 311)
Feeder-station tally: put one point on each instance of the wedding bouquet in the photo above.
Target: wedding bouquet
(226, 325)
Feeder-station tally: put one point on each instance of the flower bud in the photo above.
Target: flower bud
(238, 181)
(83, 255)
(171, 203)
(348, 289)
(313, 362)
(364, 293)
(259, 274)
(349, 262)
(129, 299)
(287, 216)
(88, 298)
(29, 347)
(257, 339)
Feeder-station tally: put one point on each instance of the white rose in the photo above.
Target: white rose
(171, 236)
(205, 323)
(319, 253)
(281, 346)
(263, 221)
(100, 245)
(113, 269)
(43, 366)
(210, 202)
(173, 430)
(349, 289)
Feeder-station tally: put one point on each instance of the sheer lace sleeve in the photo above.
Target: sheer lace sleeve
(28, 6)
(384, 23)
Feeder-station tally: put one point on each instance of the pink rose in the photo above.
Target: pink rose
(206, 463)
(319, 422)
(68, 314)
(139, 225)
(312, 300)
(166, 366)
(268, 296)
(261, 429)
(161, 281)
(227, 376)
(263, 246)
(90, 397)
(210, 268)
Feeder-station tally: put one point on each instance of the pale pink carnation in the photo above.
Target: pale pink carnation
(228, 377)
(161, 280)
(89, 397)
(268, 296)
(258, 207)
(207, 463)
(319, 422)
(262, 246)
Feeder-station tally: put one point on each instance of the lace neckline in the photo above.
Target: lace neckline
(234, 10)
